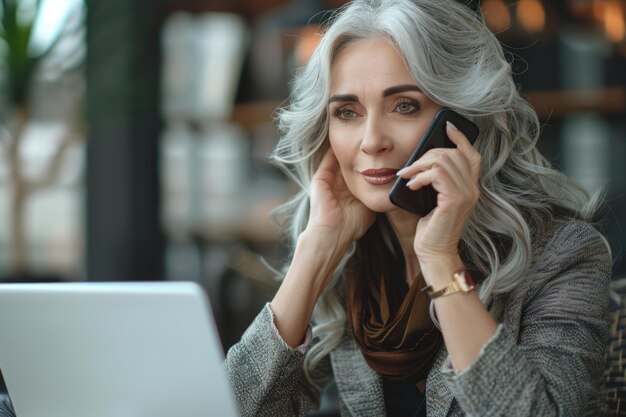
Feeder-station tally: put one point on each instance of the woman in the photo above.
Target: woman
(528, 341)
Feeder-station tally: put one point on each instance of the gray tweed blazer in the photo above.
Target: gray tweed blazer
(545, 359)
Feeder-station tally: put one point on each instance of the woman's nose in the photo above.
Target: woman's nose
(375, 139)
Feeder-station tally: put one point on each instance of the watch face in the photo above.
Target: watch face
(465, 281)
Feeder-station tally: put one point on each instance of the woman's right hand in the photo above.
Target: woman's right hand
(336, 220)
(334, 209)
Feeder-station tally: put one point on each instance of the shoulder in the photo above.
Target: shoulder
(570, 242)
(573, 253)
(567, 255)
(569, 275)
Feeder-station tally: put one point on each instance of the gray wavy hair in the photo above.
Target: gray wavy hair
(458, 63)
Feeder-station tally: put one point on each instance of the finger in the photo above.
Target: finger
(457, 137)
(452, 161)
(407, 172)
(462, 143)
(450, 156)
(421, 164)
(440, 178)
(329, 162)
(445, 186)
(421, 179)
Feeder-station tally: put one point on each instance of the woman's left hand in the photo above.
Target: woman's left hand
(454, 173)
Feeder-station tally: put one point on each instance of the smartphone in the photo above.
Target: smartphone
(422, 201)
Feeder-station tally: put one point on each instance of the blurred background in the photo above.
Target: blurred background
(134, 134)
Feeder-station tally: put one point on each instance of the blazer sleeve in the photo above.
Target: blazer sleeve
(554, 366)
(267, 375)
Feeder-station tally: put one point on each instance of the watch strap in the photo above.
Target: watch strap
(462, 282)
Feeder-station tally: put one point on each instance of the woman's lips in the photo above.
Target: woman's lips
(379, 176)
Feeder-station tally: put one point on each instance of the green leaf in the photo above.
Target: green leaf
(20, 66)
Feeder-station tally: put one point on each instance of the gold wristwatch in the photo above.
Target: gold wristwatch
(462, 283)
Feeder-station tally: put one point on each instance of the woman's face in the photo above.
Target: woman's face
(377, 118)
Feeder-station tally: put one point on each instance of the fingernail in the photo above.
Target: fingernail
(402, 171)
(411, 181)
(451, 125)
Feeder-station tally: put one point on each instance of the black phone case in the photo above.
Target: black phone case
(422, 201)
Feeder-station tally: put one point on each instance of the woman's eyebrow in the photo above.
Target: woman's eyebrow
(343, 97)
(400, 89)
(386, 93)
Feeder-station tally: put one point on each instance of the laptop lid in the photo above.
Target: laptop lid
(112, 350)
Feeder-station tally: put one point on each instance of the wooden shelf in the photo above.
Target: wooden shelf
(562, 103)
(249, 115)
(547, 104)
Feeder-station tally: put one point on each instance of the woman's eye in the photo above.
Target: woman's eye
(344, 113)
(407, 107)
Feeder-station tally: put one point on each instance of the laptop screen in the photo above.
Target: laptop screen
(147, 349)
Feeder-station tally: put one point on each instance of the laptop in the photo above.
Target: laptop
(112, 350)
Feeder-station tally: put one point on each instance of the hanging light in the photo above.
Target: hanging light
(496, 14)
(609, 14)
(310, 37)
(531, 15)
(612, 19)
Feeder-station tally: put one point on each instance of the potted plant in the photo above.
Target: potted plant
(22, 67)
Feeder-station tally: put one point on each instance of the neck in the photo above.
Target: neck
(404, 224)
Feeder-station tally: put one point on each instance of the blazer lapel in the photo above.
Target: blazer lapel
(360, 387)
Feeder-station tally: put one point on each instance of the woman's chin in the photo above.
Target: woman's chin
(380, 205)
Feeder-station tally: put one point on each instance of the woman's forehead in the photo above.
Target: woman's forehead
(368, 64)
